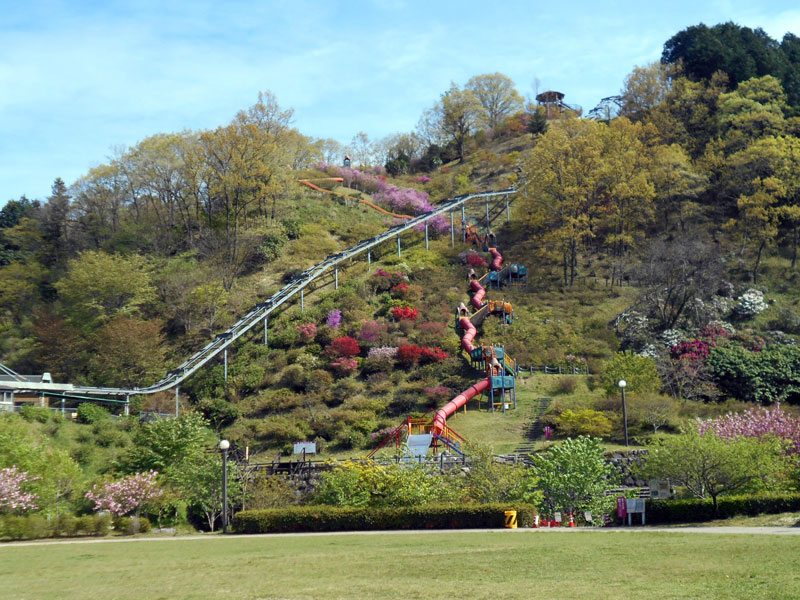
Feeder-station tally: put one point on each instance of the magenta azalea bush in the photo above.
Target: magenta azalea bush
(401, 200)
(756, 422)
(12, 495)
(125, 495)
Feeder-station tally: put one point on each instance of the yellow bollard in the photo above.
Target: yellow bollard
(511, 519)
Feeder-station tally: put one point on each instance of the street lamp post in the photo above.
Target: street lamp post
(622, 383)
(223, 446)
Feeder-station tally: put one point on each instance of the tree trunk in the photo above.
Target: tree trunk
(758, 261)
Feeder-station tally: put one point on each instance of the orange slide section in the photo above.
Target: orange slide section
(307, 182)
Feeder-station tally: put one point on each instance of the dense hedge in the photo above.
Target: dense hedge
(696, 510)
(31, 527)
(334, 518)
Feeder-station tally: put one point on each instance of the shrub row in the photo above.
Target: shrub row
(696, 510)
(31, 527)
(335, 518)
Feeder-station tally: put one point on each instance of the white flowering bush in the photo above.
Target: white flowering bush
(670, 337)
(648, 351)
(751, 303)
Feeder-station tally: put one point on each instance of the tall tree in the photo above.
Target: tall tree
(100, 286)
(453, 118)
(497, 96)
(56, 227)
(645, 87)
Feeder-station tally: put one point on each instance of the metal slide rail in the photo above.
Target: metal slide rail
(262, 310)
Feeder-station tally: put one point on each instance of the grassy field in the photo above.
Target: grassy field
(476, 565)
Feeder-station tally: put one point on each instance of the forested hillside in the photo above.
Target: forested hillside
(661, 245)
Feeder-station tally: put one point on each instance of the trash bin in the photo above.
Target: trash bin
(511, 519)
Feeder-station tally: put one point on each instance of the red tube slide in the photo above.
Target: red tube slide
(469, 334)
(497, 259)
(480, 292)
(440, 418)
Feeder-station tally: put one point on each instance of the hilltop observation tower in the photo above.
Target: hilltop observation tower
(554, 105)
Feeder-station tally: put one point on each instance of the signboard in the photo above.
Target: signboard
(622, 508)
(557, 517)
(305, 447)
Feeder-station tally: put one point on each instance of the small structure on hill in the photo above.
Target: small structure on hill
(346, 161)
(554, 105)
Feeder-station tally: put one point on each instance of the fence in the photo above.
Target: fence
(559, 370)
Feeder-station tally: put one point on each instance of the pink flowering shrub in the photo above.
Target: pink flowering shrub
(756, 422)
(12, 495)
(371, 331)
(125, 495)
(437, 393)
(408, 201)
(345, 365)
(307, 331)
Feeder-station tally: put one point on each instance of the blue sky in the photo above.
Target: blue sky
(81, 78)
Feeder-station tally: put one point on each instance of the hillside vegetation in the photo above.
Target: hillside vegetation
(661, 246)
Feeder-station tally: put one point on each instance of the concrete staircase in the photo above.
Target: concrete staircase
(535, 429)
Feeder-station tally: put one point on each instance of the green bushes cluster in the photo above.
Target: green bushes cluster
(31, 527)
(334, 518)
(697, 510)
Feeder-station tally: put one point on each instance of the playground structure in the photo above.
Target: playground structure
(420, 434)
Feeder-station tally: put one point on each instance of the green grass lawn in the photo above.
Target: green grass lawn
(475, 565)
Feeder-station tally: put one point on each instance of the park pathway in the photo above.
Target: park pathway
(530, 531)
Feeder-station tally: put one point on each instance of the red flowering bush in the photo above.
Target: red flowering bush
(433, 355)
(343, 346)
(476, 260)
(710, 333)
(405, 312)
(383, 281)
(695, 350)
(408, 355)
(399, 290)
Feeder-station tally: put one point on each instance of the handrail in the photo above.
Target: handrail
(261, 310)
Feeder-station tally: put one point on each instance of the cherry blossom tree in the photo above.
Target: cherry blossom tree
(757, 422)
(126, 495)
(12, 495)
